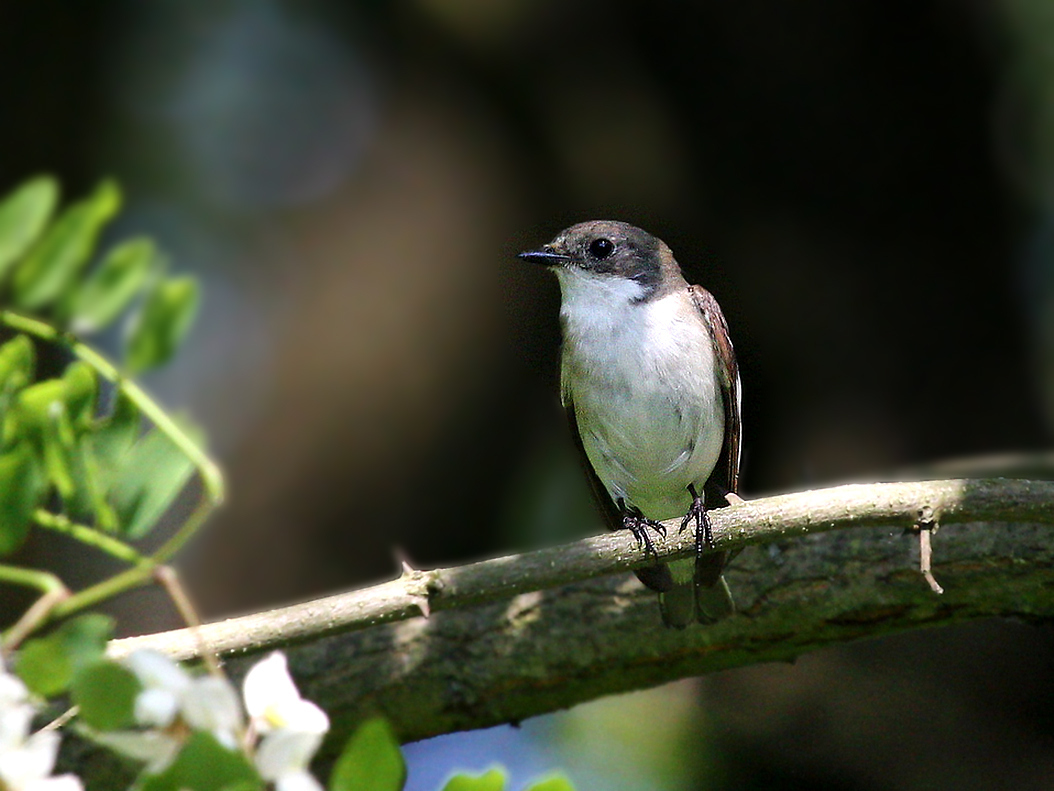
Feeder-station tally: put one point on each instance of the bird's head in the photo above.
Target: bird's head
(615, 257)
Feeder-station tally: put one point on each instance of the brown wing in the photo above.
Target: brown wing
(726, 472)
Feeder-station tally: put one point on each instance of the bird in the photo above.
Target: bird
(651, 389)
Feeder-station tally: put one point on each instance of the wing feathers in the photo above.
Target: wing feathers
(727, 469)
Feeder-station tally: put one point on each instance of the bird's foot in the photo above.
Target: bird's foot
(697, 512)
(638, 524)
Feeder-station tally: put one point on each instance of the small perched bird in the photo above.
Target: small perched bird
(651, 388)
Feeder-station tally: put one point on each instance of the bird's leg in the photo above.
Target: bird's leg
(638, 524)
(697, 511)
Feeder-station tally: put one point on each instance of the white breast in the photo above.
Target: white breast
(643, 381)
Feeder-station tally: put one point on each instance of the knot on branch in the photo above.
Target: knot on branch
(925, 517)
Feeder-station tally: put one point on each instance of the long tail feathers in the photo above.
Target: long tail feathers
(678, 605)
(684, 604)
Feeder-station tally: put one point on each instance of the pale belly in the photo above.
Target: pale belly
(647, 400)
(648, 442)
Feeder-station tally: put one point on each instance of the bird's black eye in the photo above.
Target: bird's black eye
(601, 248)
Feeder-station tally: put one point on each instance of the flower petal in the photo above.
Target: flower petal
(12, 690)
(154, 748)
(14, 725)
(60, 783)
(156, 707)
(154, 669)
(266, 689)
(302, 715)
(34, 760)
(211, 704)
(283, 751)
(297, 781)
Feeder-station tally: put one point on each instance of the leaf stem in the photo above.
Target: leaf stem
(119, 583)
(43, 581)
(53, 592)
(210, 473)
(212, 492)
(89, 535)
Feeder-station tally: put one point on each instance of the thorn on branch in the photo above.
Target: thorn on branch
(419, 584)
(406, 569)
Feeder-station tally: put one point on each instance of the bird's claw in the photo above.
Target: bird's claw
(638, 524)
(697, 512)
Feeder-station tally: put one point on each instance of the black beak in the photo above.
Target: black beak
(544, 257)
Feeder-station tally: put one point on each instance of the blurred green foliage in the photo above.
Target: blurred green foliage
(57, 437)
(74, 456)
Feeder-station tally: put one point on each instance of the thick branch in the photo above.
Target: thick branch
(757, 521)
(559, 629)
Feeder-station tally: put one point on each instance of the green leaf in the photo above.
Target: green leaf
(105, 692)
(114, 436)
(89, 500)
(80, 388)
(59, 444)
(100, 460)
(17, 361)
(84, 638)
(44, 667)
(47, 664)
(493, 780)
(112, 286)
(35, 402)
(22, 488)
(371, 761)
(153, 473)
(163, 323)
(23, 215)
(558, 783)
(52, 414)
(54, 262)
(204, 765)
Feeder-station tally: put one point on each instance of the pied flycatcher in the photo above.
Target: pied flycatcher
(650, 385)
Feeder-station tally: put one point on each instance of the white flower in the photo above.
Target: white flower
(205, 703)
(164, 683)
(12, 690)
(156, 708)
(171, 701)
(157, 671)
(16, 714)
(273, 701)
(297, 781)
(283, 755)
(26, 761)
(211, 704)
(292, 727)
(28, 767)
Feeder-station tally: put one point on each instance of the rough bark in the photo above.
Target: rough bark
(515, 637)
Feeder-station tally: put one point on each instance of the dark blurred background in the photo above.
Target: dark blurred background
(866, 187)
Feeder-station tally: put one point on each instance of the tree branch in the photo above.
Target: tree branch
(514, 637)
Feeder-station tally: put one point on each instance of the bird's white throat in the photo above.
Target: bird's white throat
(594, 304)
